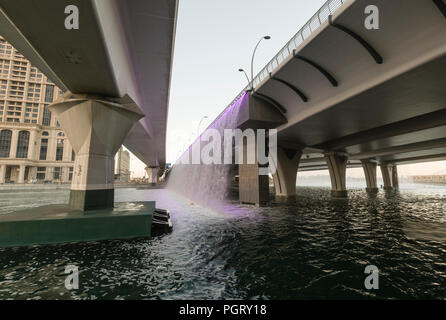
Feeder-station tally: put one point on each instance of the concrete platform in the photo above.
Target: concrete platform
(60, 224)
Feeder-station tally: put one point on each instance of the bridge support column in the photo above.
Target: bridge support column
(370, 175)
(337, 165)
(386, 171)
(96, 127)
(395, 182)
(152, 173)
(286, 171)
(253, 187)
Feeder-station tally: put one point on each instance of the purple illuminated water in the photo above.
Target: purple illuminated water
(207, 185)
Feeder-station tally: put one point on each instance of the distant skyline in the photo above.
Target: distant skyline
(213, 40)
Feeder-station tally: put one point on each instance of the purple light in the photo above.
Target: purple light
(235, 104)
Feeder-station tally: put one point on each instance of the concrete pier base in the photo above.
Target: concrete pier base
(152, 173)
(369, 168)
(253, 187)
(96, 127)
(286, 172)
(54, 224)
(337, 166)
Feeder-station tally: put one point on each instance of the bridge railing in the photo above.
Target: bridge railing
(329, 7)
(313, 24)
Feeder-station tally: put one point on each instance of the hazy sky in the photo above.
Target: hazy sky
(214, 39)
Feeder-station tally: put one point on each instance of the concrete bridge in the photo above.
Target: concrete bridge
(355, 97)
(115, 69)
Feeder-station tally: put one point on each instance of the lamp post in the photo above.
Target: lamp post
(252, 63)
(252, 60)
(247, 79)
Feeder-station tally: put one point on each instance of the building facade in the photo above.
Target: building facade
(33, 147)
(438, 178)
(122, 165)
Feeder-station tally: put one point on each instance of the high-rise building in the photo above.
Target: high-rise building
(122, 165)
(33, 147)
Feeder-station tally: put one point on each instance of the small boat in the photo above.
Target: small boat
(161, 222)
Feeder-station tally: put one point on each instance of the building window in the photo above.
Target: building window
(59, 150)
(57, 171)
(70, 174)
(5, 143)
(43, 148)
(49, 92)
(46, 121)
(41, 173)
(73, 155)
(22, 145)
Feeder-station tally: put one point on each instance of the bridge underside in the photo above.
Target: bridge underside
(375, 99)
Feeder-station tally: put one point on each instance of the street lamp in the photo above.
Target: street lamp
(252, 63)
(252, 60)
(247, 79)
(198, 128)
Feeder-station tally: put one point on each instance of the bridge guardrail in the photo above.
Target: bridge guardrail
(328, 8)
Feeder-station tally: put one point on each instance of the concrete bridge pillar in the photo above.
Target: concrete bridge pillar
(286, 171)
(386, 171)
(152, 173)
(253, 187)
(395, 182)
(2, 173)
(369, 168)
(96, 127)
(337, 165)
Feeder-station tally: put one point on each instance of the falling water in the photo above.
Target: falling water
(206, 184)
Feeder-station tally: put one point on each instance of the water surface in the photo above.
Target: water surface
(310, 247)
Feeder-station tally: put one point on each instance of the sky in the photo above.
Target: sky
(213, 40)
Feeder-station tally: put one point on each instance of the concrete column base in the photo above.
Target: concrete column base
(253, 188)
(337, 165)
(388, 188)
(96, 127)
(58, 223)
(372, 190)
(152, 173)
(339, 193)
(86, 200)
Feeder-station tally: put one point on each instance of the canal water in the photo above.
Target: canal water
(309, 247)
